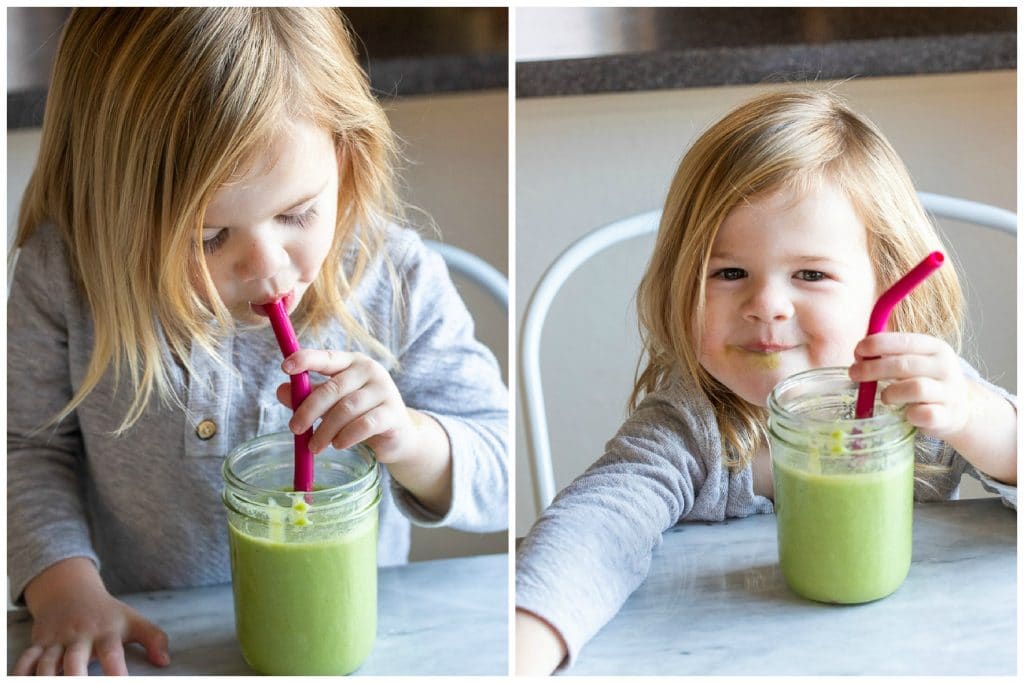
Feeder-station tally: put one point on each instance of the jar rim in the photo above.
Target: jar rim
(877, 421)
(364, 482)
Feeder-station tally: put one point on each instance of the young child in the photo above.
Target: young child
(195, 164)
(783, 224)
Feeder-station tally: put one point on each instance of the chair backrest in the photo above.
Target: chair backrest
(608, 235)
(474, 269)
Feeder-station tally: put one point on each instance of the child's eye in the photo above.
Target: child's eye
(214, 243)
(810, 275)
(300, 219)
(729, 274)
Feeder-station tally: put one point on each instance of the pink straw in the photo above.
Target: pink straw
(300, 390)
(880, 316)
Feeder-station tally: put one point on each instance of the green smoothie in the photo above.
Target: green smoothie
(306, 607)
(845, 537)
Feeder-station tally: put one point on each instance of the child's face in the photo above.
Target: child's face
(267, 235)
(790, 287)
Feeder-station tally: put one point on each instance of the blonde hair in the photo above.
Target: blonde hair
(152, 110)
(792, 139)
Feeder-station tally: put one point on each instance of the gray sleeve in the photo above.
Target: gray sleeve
(592, 547)
(446, 373)
(46, 519)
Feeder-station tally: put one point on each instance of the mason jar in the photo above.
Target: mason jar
(303, 565)
(844, 489)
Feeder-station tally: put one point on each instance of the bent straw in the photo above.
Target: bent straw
(880, 316)
(286, 339)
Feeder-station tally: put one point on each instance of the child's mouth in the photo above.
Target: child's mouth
(766, 348)
(258, 309)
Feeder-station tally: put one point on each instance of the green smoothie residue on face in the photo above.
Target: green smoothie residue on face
(764, 361)
(768, 361)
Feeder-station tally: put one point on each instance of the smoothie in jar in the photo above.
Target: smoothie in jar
(843, 490)
(304, 565)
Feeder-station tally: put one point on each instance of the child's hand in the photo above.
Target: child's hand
(539, 647)
(76, 621)
(940, 400)
(926, 377)
(360, 403)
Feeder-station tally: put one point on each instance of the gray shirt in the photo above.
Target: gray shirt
(592, 547)
(146, 506)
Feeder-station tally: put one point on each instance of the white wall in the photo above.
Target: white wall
(457, 172)
(587, 160)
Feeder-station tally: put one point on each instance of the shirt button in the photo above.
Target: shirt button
(206, 429)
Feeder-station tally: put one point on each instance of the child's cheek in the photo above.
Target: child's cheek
(838, 353)
(311, 256)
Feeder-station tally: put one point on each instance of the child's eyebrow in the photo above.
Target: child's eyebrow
(305, 198)
(816, 258)
(723, 256)
(799, 258)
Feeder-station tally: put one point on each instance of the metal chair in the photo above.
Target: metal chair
(608, 235)
(474, 269)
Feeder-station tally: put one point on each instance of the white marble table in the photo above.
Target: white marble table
(715, 603)
(442, 617)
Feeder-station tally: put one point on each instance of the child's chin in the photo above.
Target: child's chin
(758, 394)
(246, 317)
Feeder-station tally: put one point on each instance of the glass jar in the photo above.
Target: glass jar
(844, 489)
(303, 565)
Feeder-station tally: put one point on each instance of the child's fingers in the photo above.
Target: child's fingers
(154, 640)
(323, 361)
(48, 661)
(26, 664)
(367, 425)
(324, 396)
(344, 411)
(897, 343)
(928, 416)
(76, 658)
(110, 652)
(899, 367)
(284, 393)
(915, 390)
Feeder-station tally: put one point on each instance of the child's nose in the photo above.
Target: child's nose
(768, 302)
(263, 258)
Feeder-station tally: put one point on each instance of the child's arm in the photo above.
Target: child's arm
(941, 400)
(989, 437)
(539, 648)
(592, 547)
(77, 620)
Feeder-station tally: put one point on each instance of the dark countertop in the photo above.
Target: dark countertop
(407, 52)
(593, 50)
